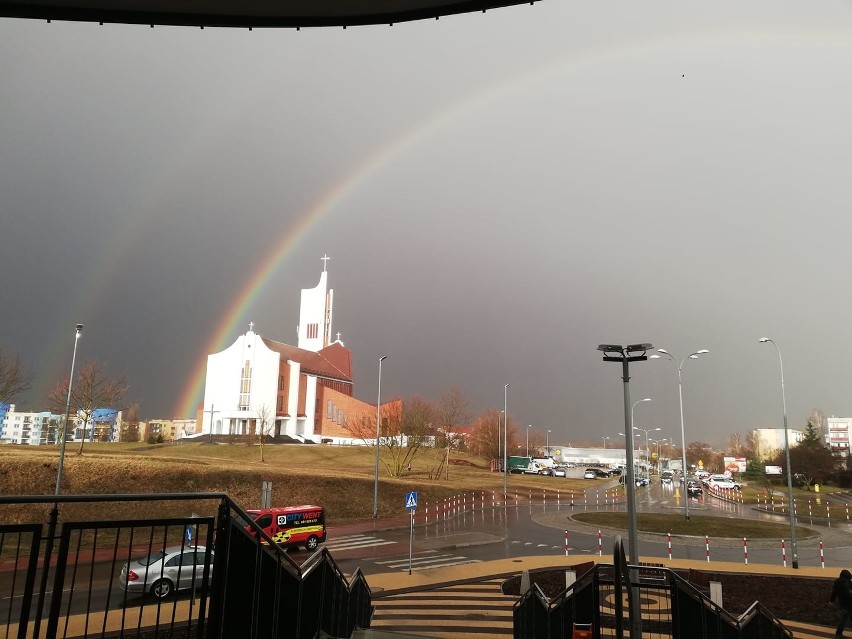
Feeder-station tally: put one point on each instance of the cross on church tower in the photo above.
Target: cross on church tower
(325, 258)
(338, 336)
(251, 326)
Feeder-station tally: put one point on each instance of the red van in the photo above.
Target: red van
(292, 525)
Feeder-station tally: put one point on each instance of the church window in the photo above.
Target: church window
(281, 383)
(328, 409)
(245, 386)
(313, 331)
(340, 419)
(280, 403)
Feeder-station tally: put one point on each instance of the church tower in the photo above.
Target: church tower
(315, 314)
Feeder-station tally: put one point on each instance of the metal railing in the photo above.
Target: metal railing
(666, 606)
(215, 575)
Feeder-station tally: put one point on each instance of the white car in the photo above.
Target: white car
(590, 474)
(559, 472)
(717, 482)
(164, 571)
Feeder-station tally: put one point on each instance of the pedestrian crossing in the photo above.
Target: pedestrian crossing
(460, 611)
(425, 560)
(356, 542)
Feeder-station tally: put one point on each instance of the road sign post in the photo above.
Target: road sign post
(411, 505)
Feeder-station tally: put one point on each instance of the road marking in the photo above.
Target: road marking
(348, 542)
(426, 560)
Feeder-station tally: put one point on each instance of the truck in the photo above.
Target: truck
(517, 462)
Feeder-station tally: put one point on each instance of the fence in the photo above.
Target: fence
(202, 576)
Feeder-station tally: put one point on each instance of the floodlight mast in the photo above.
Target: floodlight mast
(625, 355)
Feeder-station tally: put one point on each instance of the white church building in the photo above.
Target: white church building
(303, 392)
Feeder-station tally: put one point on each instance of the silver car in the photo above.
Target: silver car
(164, 571)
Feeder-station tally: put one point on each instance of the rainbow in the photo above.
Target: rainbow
(225, 330)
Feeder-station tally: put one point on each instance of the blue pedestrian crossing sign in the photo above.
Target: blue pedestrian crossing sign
(411, 501)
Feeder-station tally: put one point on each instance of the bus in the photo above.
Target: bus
(292, 525)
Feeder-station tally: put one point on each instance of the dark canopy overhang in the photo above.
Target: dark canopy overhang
(246, 13)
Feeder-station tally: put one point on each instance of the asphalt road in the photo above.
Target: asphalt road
(540, 529)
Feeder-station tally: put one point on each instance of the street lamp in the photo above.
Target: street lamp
(792, 509)
(604, 438)
(647, 399)
(680, 400)
(528, 439)
(505, 443)
(499, 441)
(79, 331)
(378, 424)
(647, 451)
(624, 355)
(547, 443)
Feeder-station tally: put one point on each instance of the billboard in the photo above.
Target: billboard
(773, 470)
(734, 464)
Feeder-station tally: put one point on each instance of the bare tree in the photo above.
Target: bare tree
(405, 427)
(265, 423)
(451, 413)
(484, 438)
(130, 424)
(91, 391)
(14, 377)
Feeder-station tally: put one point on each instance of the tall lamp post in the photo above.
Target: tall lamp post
(624, 355)
(638, 401)
(694, 355)
(505, 443)
(499, 438)
(547, 443)
(604, 438)
(528, 439)
(79, 331)
(378, 424)
(792, 509)
(647, 450)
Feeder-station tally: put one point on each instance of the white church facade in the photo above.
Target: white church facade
(305, 392)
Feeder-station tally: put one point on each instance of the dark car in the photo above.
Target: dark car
(693, 488)
(642, 481)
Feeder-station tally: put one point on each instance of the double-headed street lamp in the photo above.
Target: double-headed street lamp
(624, 355)
(792, 508)
(604, 438)
(694, 355)
(378, 424)
(528, 439)
(547, 443)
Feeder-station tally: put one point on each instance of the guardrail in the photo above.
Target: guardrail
(205, 576)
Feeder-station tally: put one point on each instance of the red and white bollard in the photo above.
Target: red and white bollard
(707, 546)
(597, 499)
(783, 554)
(670, 546)
(745, 550)
(558, 499)
(600, 544)
(427, 512)
(821, 554)
(566, 543)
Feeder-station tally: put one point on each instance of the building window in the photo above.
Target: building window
(245, 386)
(281, 383)
(328, 409)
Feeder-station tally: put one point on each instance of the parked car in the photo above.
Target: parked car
(693, 488)
(559, 472)
(590, 473)
(642, 481)
(165, 571)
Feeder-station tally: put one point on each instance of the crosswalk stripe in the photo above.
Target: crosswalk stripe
(359, 544)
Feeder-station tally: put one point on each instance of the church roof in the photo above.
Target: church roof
(333, 361)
